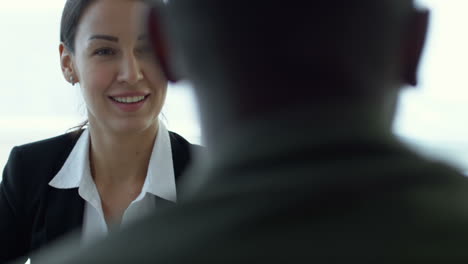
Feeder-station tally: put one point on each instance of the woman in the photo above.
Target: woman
(123, 165)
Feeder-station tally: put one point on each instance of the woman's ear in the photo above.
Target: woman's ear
(159, 41)
(414, 45)
(66, 64)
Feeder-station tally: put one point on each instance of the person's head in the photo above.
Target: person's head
(250, 57)
(105, 48)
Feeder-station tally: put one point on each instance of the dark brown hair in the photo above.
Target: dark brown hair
(71, 15)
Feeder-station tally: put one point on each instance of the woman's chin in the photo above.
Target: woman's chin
(133, 126)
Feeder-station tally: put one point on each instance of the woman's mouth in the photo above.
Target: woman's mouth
(129, 99)
(129, 103)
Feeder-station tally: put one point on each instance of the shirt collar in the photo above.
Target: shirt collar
(75, 167)
(160, 179)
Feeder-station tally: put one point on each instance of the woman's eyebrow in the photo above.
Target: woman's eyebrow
(114, 39)
(104, 37)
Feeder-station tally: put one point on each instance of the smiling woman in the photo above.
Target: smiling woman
(123, 165)
(112, 67)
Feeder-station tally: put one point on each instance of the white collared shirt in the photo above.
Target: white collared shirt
(159, 181)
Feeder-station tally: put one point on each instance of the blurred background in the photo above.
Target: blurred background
(433, 117)
(38, 103)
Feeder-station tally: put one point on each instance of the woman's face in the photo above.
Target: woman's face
(122, 84)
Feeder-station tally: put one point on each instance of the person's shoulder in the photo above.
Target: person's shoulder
(31, 166)
(44, 157)
(48, 146)
(179, 141)
(183, 153)
(440, 188)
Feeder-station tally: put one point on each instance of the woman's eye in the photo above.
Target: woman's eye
(104, 52)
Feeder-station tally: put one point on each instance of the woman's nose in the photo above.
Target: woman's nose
(130, 70)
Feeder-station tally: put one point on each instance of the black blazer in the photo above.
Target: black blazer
(33, 214)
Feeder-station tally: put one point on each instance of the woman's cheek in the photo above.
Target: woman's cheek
(100, 80)
(153, 72)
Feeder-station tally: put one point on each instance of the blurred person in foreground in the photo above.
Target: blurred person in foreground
(123, 165)
(297, 101)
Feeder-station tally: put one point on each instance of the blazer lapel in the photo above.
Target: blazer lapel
(64, 212)
(181, 154)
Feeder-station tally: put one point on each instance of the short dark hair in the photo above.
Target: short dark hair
(71, 15)
(259, 36)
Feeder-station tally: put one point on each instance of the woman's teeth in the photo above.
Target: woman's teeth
(129, 100)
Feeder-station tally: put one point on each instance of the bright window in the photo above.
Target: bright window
(433, 117)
